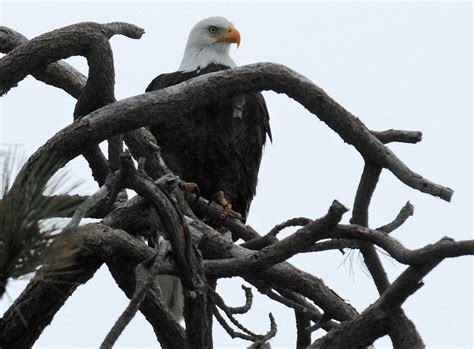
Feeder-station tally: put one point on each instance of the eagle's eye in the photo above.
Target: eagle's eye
(212, 29)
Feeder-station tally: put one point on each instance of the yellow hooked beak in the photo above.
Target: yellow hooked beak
(231, 35)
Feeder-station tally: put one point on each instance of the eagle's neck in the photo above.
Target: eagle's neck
(198, 56)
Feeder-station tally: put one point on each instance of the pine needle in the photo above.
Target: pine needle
(25, 236)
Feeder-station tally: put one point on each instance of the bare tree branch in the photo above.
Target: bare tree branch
(390, 136)
(68, 41)
(299, 221)
(401, 218)
(281, 250)
(213, 245)
(136, 112)
(376, 320)
(445, 248)
(303, 333)
(59, 74)
(112, 181)
(248, 302)
(190, 266)
(402, 331)
(143, 282)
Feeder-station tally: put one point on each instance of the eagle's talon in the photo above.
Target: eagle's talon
(191, 187)
(219, 198)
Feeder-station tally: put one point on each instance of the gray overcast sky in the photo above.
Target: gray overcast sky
(394, 65)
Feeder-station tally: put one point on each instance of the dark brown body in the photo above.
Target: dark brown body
(213, 147)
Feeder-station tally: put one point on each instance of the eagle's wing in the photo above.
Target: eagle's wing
(262, 106)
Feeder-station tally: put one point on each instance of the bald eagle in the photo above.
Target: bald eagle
(218, 146)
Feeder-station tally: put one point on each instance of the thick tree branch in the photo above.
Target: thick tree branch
(213, 245)
(88, 39)
(138, 111)
(282, 250)
(34, 309)
(52, 46)
(59, 74)
(303, 333)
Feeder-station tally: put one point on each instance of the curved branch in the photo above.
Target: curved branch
(248, 302)
(401, 218)
(88, 39)
(298, 221)
(283, 275)
(50, 47)
(281, 250)
(444, 248)
(59, 74)
(142, 110)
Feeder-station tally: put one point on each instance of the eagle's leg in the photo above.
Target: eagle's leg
(219, 198)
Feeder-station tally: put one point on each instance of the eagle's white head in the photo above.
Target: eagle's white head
(209, 42)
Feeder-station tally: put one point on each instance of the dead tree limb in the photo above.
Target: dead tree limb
(138, 111)
(402, 330)
(58, 74)
(88, 39)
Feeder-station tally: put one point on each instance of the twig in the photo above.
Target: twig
(86, 39)
(401, 218)
(444, 248)
(299, 221)
(96, 244)
(389, 136)
(112, 181)
(292, 300)
(250, 336)
(232, 333)
(248, 302)
(219, 302)
(143, 281)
